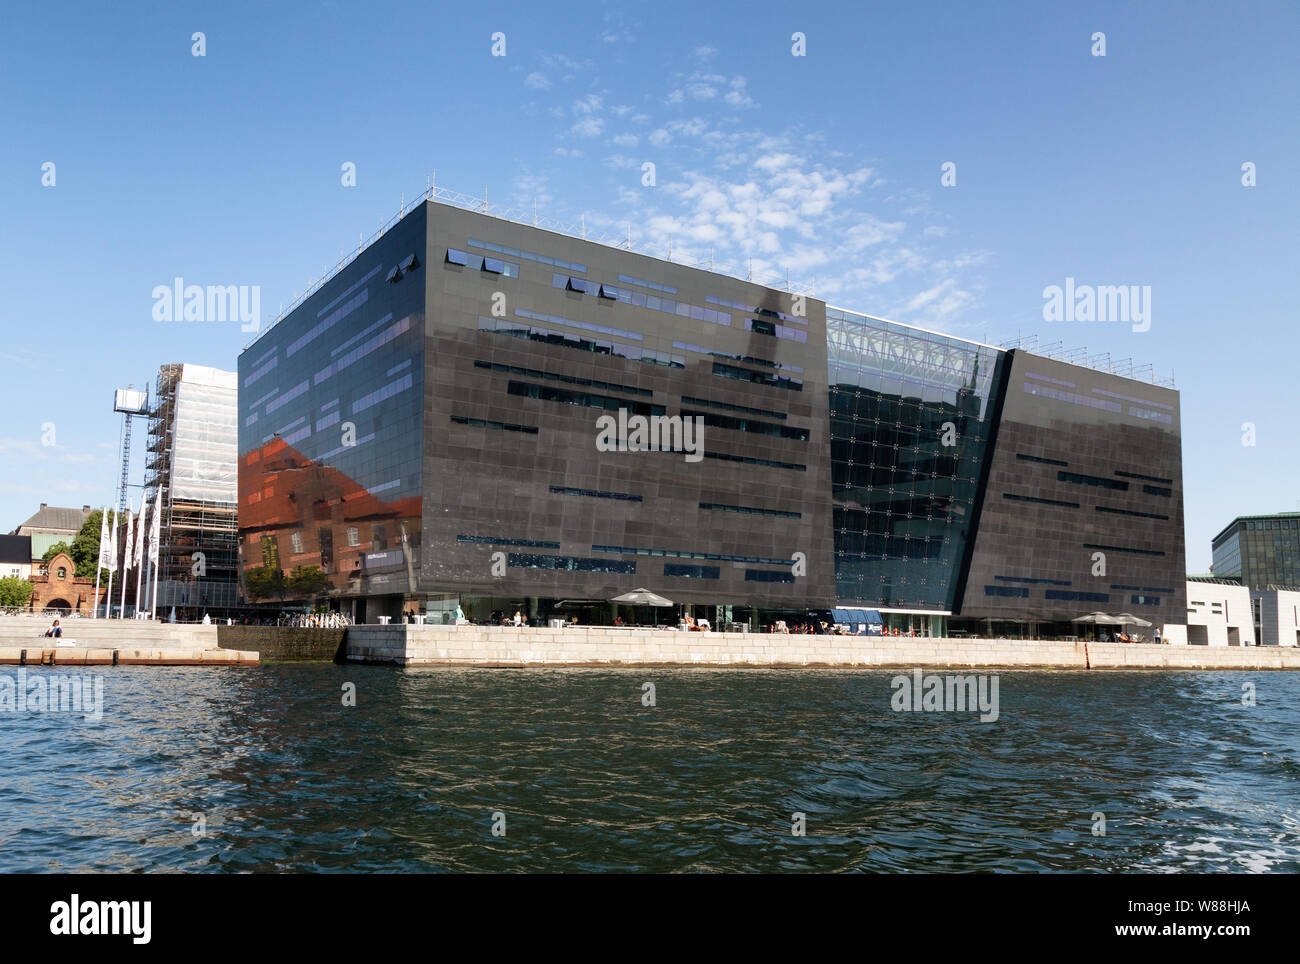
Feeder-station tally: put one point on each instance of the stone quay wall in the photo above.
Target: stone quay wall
(408, 645)
(284, 643)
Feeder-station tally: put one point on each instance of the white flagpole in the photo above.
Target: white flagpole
(99, 560)
(153, 596)
(139, 556)
(112, 567)
(155, 535)
(127, 549)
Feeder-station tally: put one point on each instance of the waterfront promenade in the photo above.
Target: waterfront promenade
(101, 642)
(412, 645)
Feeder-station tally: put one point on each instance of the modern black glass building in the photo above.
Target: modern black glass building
(426, 428)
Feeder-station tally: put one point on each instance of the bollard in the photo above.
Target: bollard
(114, 657)
(22, 658)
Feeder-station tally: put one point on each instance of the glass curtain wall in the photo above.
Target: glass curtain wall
(911, 415)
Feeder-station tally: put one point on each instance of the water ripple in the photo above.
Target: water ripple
(286, 778)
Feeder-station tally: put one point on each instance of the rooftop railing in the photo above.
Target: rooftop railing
(1100, 362)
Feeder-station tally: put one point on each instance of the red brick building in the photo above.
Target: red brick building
(59, 587)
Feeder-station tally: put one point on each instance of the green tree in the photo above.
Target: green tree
(14, 592)
(308, 581)
(85, 547)
(55, 549)
(264, 583)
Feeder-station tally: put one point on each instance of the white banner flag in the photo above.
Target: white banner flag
(139, 535)
(155, 529)
(128, 546)
(112, 545)
(102, 561)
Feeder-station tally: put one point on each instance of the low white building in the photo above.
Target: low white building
(1276, 615)
(1219, 613)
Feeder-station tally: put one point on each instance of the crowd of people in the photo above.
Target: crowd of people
(821, 627)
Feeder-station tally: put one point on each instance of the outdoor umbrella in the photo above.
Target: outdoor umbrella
(1128, 619)
(643, 597)
(1099, 619)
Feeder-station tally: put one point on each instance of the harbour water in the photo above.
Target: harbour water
(265, 769)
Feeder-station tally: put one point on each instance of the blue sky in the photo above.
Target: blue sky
(225, 169)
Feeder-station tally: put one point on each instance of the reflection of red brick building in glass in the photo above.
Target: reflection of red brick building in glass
(296, 512)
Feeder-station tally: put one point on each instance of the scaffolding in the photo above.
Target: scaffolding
(191, 457)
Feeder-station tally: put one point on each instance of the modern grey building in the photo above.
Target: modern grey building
(1259, 550)
(432, 427)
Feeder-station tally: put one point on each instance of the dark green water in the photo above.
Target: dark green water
(589, 779)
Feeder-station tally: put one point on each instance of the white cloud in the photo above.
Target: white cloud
(738, 96)
(871, 231)
(538, 81)
(567, 68)
(702, 86)
(769, 200)
(621, 161)
(33, 360)
(941, 303)
(530, 188)
(27, 449)
(695, 127)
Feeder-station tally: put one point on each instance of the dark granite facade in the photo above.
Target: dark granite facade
(1086, 465)
(581, 330)
(425, 427)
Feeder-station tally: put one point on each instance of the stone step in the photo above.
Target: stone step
(18, 631)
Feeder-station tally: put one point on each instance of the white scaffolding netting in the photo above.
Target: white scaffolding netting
(205, 436)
